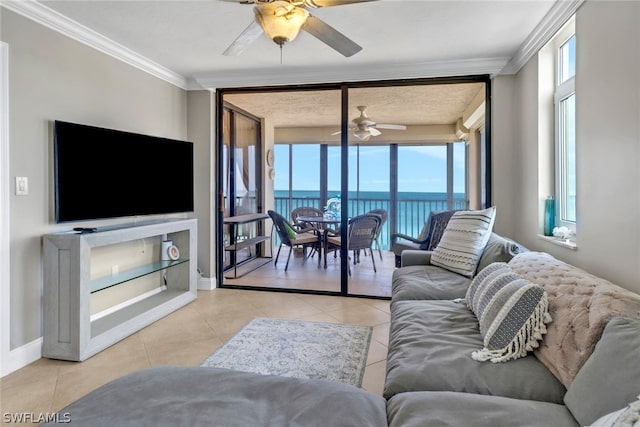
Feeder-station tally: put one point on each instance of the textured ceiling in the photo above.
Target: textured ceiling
(407, 105)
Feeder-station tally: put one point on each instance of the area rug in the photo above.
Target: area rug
(325, 351)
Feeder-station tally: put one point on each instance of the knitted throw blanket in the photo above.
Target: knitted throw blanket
(580, 305)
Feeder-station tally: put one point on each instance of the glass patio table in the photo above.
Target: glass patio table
(321, 224)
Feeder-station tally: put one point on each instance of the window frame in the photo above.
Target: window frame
(563, 90)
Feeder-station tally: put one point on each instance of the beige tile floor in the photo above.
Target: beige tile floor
(187, 337)
(307, 275)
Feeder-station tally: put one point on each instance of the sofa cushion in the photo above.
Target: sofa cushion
(427, 282)
(174, 396)
(453, 409)
(580, 304)
(610, 378)
(464, 240)
(430, 346)
(499, 249)
(512, 313)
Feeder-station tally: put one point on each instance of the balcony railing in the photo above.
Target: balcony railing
(411, 213)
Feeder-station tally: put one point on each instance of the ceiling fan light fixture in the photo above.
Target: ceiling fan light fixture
(362, 134)
(280, 20)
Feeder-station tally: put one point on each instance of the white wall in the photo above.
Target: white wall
(52, 77)
(201, 125)
(608, 146)
(503, 148)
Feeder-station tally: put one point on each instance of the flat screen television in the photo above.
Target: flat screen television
(104, 173)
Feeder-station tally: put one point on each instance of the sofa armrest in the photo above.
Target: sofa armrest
(415, 257)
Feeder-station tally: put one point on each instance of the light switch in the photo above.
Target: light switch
(22, 186)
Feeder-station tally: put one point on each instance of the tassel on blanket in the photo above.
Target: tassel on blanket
(630, 417)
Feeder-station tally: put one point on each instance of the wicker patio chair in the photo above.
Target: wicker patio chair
(428, 238)
(304, 211)
(360, 235)
(291, 237)
(383, 219)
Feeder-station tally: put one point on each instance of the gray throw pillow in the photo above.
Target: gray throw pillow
(512, 313)
(499, 249)
(610, 378)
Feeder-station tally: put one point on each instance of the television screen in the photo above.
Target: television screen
(103, 173)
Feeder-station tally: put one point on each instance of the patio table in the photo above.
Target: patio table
(321, 223)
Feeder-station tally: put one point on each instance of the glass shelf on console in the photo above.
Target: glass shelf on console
(101, 283)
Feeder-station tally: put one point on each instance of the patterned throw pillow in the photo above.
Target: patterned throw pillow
(463, 241)
(512, 313)
(625, 417)
(290, 232)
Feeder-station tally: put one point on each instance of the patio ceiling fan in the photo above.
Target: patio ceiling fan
(364, 127)
(282, 20)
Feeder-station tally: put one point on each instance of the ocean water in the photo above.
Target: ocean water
(413, 207)
(377, 195)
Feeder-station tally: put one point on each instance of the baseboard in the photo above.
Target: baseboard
(22, 356)
(206, 283)
(30, 352)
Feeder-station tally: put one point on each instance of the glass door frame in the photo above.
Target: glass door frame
(234, 112)
(344, 144)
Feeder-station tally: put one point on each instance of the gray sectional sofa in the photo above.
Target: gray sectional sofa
(432, 379)
(585, 368)
(187, 396)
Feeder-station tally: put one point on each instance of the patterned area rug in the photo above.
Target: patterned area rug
(325, 351)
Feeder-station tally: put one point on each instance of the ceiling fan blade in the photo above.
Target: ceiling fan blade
(388, 126)
(374, 132)
(332, 37)
(248, 36)
(329, 3)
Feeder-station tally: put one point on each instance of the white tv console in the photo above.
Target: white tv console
(69, 332)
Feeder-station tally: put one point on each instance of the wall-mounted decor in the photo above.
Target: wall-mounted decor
(269, 157)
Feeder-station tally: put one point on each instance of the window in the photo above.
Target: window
(565, 150)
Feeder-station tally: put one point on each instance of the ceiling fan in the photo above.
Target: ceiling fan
(364, 128)
(282, 20)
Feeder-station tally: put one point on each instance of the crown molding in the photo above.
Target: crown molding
(557, 16)
(43, 15)
(560, 12)
(371, 71)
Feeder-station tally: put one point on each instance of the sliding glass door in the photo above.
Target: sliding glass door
(440, 186)
(399, 151)
(241, 184)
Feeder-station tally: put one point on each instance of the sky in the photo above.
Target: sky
(420, 169)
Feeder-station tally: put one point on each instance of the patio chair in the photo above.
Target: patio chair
(291, 237)
(428, 238)
(360, 235)
(305, 211)
(383, 219)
